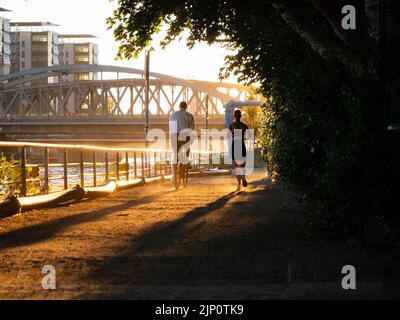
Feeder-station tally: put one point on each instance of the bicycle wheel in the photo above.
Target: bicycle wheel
(178, 177)
(185, 175)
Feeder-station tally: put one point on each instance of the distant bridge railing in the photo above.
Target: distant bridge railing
(45, 168)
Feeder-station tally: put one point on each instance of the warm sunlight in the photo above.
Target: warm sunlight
(150, 179)
(89, 16)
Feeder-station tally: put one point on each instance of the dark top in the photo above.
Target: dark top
(238, 126)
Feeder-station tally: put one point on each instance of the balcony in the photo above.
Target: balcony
(6, 26)
(56, 60)
(6, 38)
(56, 40)
(55, 50)
(6, 60)
(6, 49)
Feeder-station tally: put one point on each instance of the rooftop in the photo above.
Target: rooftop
(76, 36)
(33, 24)
(4, 10)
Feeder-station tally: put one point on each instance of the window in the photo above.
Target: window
(82, 59)
(40, 48)
(39, 59)
(67, 54)
(23, 44)
(23, 64)
(84, 49)
(84, 76)
(39, 38)
(22, 54)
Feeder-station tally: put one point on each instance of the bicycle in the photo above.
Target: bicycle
(182, 175)
(182, 170)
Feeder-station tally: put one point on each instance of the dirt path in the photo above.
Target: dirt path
(205, 241)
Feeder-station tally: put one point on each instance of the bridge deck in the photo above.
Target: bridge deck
(153, 242)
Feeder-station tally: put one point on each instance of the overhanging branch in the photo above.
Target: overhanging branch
(326, 47)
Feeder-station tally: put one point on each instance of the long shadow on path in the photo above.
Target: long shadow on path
(219, 244)
(43, 231)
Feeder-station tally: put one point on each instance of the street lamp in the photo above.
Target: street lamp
(147, 94)
(207, 97)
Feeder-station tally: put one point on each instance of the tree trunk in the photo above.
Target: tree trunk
(392, 58)
(391, 77)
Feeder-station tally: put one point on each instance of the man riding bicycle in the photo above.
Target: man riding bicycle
(181, 124)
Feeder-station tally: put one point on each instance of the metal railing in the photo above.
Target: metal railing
(44, 168)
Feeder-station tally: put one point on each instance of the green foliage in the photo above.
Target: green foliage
(331, 153)
(10, 178)
(8, 175)
(322, 125)
(251, 115)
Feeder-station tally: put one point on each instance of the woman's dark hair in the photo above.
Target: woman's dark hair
(237, 114)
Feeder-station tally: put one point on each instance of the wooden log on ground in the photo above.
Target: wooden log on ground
(122, 185)
(51, 200)
(9, 207)
(98, 192)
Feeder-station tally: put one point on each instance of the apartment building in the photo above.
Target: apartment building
(34, 45)
(5, 41)
(79, 49)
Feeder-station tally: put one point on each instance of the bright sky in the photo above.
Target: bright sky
(89, 16)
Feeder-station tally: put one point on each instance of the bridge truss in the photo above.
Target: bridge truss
(118, 93)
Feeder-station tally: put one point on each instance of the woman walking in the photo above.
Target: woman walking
(238, 130)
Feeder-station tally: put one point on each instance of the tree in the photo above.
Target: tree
(251, 116)
(324, 127)
(250, 28)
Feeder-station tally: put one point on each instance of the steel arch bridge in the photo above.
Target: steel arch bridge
(107, 98)
(51, 97)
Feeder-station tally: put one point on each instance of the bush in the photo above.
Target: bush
(8, 175)
(323, 134)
